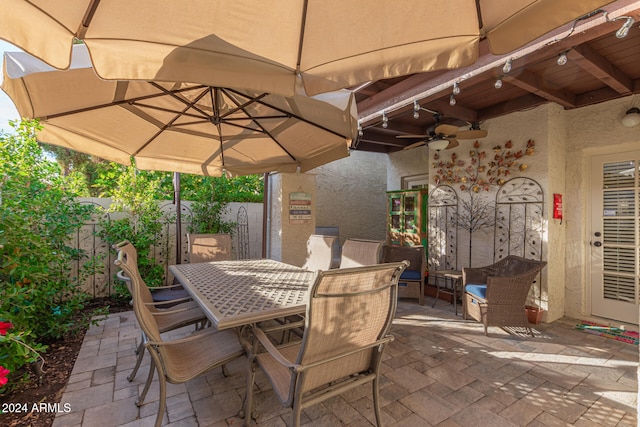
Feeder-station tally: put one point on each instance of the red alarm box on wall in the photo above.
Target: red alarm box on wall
(557, 206)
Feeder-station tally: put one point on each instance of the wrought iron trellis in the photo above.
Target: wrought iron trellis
(243, 234)
(519, 227)
(443, 234)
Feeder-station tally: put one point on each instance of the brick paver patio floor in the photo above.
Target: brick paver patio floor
(440, 371)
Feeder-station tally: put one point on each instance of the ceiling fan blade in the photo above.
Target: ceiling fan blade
(414, 145)
(471, 134)
(453, 143)
(411, 136)
(446, 129)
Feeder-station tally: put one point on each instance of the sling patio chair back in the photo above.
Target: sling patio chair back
(209, 247)
(170, 315)
(348, 316)
(496, 294)
(361, 252)
(177, 361)
(319, 252)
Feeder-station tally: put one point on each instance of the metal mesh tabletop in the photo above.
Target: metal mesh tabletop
(235, 293)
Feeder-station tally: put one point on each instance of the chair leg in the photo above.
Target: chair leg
(437, 283)
(152, 369)
(376, 401)
(163, 399)
(297, 410)
(140, 353)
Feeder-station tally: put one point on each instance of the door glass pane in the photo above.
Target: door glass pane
(409, 203)
(396, 204)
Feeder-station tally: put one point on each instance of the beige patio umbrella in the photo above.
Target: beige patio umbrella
(264, 45)
(180, 127)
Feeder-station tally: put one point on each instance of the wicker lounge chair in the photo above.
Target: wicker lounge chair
(496, 294)
(181, 360)
(171, 314)
(346, 330)
(319, 252)
(360, 252)
(209, 247)
(411, 283)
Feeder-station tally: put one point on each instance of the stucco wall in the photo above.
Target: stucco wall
(288, 235)
(592, 131)
(351, 195)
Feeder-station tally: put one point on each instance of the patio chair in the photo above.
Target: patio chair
(169, 295)
(496, 294)
(319, 252)
(347, 323)
(209, 247)
(360, 252)
(411, 283)
(177, 361)
(170, 314)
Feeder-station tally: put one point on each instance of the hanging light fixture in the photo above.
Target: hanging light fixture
(562, 58)
(438, 144)
(452, 100)
(498, 83)
(385, 120)
(456, 88)
(631, 118)
(416, 110)
(507, 66)
(360, 132)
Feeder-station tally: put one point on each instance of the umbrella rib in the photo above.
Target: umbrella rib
(172, 93)
(290, 114)
(241, 107)
(168, 110)
(303, 22)
(168, 124)
(112, 103)
(235, 101)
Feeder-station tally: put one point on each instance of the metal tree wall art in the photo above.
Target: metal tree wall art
(481, 172)
(519, 222)
(443, 233)
(474, 214)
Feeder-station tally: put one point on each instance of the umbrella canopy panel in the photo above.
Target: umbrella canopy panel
(266, 45)
(182, 127)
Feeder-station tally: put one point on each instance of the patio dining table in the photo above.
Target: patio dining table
(243, 292)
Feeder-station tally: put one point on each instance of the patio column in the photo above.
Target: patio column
(293, 216)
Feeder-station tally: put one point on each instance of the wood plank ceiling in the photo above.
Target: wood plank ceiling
(600, 67)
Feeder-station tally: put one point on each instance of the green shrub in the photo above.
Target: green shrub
(39, 293)
(141, 224)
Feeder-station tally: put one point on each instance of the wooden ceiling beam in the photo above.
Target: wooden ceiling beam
(599, 67)
(527, 101)
(532, 83)
(423, 82)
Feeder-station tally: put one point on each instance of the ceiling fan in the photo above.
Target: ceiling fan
(444, 136)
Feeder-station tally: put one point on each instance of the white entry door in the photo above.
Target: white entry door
(615, 239)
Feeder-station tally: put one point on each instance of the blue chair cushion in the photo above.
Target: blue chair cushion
(479, 291)
(410, 275)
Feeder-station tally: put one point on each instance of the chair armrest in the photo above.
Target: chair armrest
(473, 275)
(197, 336)
(159, 304)
(272, 350)
(384, 340)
